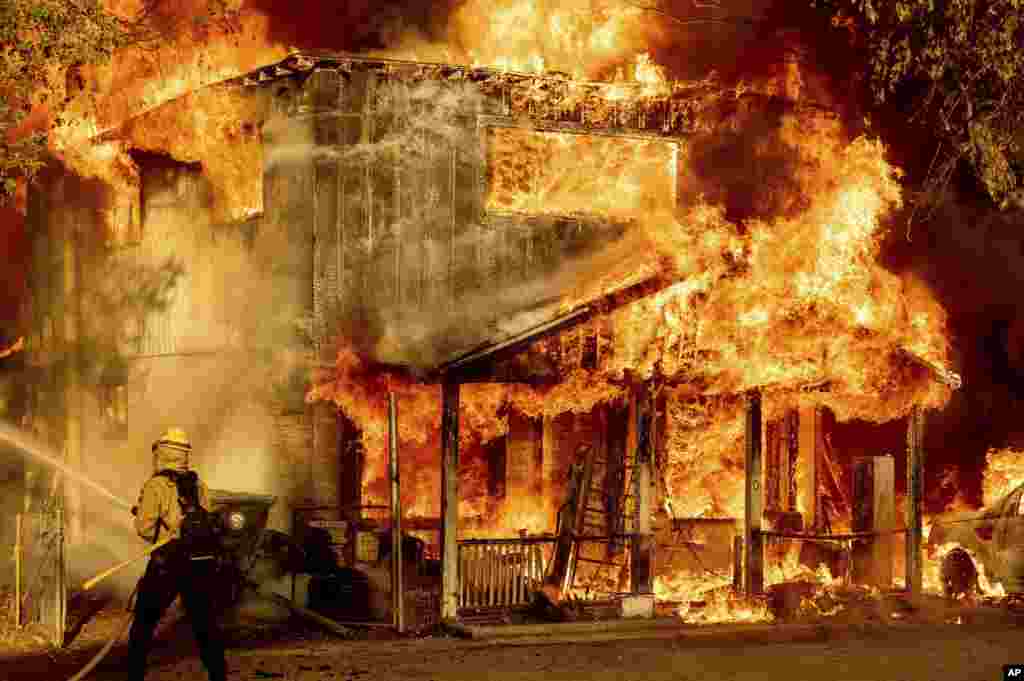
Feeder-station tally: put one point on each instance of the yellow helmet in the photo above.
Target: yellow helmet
(175, 438)
(172, 451)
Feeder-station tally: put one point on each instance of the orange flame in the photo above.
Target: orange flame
(578, 37)
(1004, 470)
(17, 346)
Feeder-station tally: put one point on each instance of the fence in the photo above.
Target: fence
(500, 572)
(41, 583)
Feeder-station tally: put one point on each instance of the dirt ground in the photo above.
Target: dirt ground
(975, 654)
(931, 648)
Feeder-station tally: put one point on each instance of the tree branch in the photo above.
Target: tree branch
(730, 21)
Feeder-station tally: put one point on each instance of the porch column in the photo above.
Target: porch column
(915, 494)
(397, 554)
(641, 575)
(753, 550)
(449, 500)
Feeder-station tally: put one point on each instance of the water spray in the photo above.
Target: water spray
(37, 450)
(30, 446)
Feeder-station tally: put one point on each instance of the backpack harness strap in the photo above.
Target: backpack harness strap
(176, 477)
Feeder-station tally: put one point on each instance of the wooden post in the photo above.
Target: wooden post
(449, 501)
(915, 494)
(774, 475)
(62, 584)
(737, 563)
(18, 519)
(397, 590)
(753, 550)
(641, 575)
(616, 434)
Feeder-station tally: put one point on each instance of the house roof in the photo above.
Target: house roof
(548, 320)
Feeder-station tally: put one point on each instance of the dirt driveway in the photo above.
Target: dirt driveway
(932, 653)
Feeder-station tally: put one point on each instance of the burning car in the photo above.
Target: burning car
(988, 542)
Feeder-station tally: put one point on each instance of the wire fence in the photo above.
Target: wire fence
(41, 578)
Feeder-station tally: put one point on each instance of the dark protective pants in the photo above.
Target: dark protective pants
(166, 577)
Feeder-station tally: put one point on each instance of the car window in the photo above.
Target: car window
(1012, 507)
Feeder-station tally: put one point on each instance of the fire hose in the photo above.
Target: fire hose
(98, 657)
(106, 573)
(84, 671)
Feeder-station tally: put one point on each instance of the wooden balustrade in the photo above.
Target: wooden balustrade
(500, 572)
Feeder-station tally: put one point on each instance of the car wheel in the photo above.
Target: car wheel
(959, 575)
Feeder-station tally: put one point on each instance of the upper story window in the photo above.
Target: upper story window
(537, 172)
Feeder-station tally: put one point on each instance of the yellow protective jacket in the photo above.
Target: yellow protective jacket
(158, 501)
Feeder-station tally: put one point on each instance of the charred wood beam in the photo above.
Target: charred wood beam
(466, 364)
(641, 568)
(819, 537)
(773, 473)
(737, 563)
(397, 589)
(617, 436)
(753, 549)
(950, 378)
(569, 127)
(792, 455)
(472, 364)
(915, 496)
(531, 539)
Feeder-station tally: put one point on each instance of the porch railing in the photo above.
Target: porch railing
(501, 572)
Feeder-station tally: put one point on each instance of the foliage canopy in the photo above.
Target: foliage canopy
(959, 65)
(43, 46)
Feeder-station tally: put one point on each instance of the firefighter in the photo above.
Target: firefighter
(172, 568)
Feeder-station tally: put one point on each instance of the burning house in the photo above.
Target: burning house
(592, 350)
